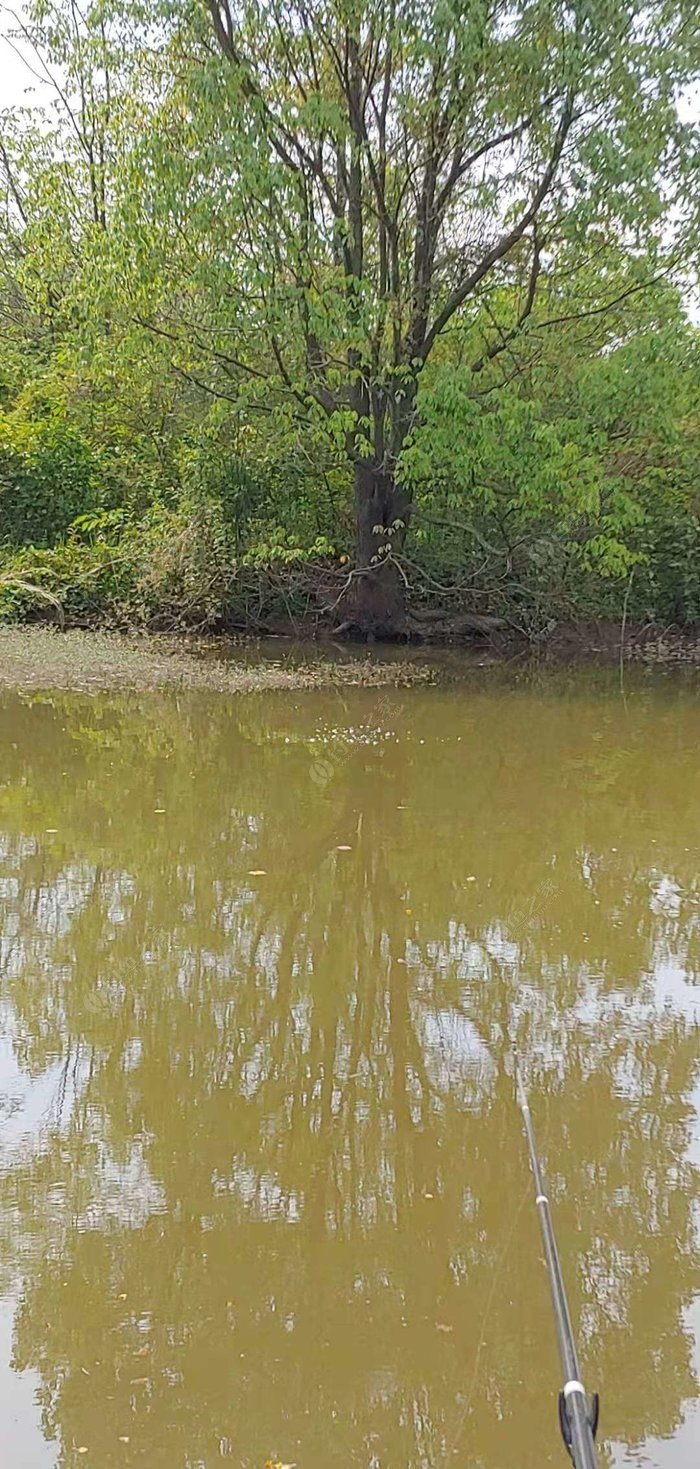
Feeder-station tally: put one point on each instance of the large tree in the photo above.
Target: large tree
(359, 180)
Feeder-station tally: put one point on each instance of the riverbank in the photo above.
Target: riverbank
(612, 642)
(41, 656)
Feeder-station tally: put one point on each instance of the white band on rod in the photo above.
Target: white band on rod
(574, 1386)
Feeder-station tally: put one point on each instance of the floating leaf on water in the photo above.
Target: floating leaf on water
(257, 872)
(442, 1327)
(159, 810)
(409, 911)
(122, 1297)
(343, 849)
(123, 1438)
(51, 831)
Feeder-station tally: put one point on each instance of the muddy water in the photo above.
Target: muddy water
(263, 1187)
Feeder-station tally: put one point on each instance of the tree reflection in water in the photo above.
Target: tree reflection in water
(278, 1198)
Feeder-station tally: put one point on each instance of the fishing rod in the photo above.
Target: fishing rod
(578, 1415)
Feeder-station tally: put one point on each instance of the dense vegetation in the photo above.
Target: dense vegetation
(374, 312)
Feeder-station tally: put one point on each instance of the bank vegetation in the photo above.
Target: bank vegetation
(369, 317)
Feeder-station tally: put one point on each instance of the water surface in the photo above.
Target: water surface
(265, 959)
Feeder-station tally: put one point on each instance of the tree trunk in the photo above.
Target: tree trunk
(376, 602)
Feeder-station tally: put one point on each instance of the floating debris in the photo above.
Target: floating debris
(46, 658)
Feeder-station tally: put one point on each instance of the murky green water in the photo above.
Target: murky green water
(263, 1186)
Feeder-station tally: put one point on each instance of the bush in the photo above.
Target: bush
(173, 568)
(170, 568)
(49, 475)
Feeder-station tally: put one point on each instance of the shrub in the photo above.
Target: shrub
(48, 476)
(171, 568)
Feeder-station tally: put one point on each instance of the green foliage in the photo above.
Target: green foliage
(276, 547)
(540, 500)
(48, 475)
(174, 567)
(171, 566)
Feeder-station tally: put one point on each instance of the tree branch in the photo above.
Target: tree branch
(12, 186)
(505, 338)
(507, 241)
(461, 165)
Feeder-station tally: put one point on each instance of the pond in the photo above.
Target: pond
(264, 1190)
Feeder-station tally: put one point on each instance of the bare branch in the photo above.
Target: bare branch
(11, 184)
(461, 165)
(507, 241)
(505, 338)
